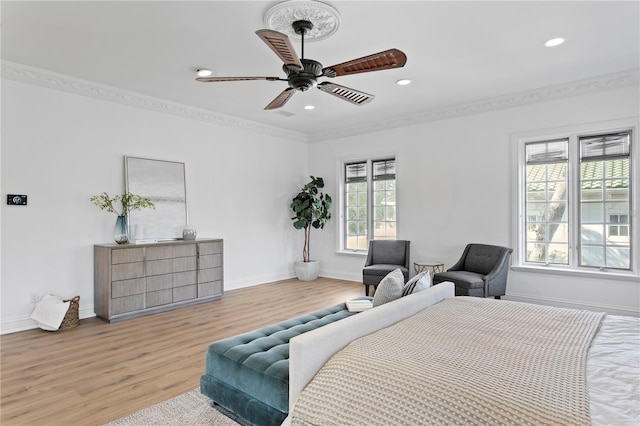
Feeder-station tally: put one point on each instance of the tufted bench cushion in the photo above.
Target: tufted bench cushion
(248, 374)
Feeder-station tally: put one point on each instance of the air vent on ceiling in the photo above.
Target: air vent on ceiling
(285, 113)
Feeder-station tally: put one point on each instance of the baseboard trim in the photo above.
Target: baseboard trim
(341, 276)
(571, 304)
(23, 323)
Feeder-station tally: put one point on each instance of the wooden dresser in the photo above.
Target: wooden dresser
(132, 280)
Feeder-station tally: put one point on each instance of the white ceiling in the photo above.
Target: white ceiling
(458, 52)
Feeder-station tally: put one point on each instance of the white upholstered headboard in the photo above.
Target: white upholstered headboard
(309, 351)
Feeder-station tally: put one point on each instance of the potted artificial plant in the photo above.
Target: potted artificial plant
(312, 210)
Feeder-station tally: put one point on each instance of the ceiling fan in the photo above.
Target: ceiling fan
(302, 74)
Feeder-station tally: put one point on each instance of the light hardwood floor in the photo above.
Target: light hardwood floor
(99, 372)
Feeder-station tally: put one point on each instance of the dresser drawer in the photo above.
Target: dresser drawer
(210, 248)
(185, 250)
(210, 261)
(181, 264)
(127, 255)
(181, 279)
(122, 305)
(185, 293)
(159, 282)
(158, 298)
(125, 271)
(211, 274)
(163, 252)
(127, 287)
(159, 267)
(212, 288)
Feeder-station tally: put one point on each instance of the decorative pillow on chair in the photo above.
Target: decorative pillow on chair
(420, 282)
(389, 289)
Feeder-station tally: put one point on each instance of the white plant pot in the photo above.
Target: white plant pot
(307, 271)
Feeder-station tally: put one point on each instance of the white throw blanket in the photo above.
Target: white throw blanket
(463, 361)
(49, 312)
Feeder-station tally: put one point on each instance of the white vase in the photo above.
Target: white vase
(189, 233)
(307, 271)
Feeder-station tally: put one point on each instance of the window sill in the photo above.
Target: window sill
(618, 276)
(351, 253)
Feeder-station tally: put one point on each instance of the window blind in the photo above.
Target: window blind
(552, 151)
(601, 147)
(384, 169)
(355, 172)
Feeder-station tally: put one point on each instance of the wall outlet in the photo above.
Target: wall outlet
(34, 298)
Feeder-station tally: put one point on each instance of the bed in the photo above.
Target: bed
(432, 358)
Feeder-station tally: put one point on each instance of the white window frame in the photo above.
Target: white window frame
(341, 202)
(519, 140)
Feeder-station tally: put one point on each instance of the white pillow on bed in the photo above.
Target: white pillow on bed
(389, 289)
(420, 282)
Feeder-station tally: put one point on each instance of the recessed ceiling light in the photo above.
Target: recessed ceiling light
(204, 72)
(403, 82)
(309, 107)
(554, 42)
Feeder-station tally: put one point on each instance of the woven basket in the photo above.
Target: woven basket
(71, 319)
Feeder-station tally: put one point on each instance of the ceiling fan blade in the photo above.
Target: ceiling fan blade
(392, 58)
(281, 99)
(281, 46)
(351, 95)
(215, 79)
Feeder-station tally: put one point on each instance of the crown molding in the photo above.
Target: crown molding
(51, 80)
(544, 94)
(45, 78)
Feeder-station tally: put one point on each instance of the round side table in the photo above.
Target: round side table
(423, 265)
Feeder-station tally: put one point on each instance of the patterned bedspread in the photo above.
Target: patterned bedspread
(463, 361)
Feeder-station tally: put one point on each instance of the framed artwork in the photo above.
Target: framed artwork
(163, 182)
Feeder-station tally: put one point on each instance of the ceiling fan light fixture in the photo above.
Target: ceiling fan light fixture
(203, 72)
(403, 82)
(557, 41)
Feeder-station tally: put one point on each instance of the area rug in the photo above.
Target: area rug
(189, 409)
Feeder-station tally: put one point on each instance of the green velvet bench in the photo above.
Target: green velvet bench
(248, 374)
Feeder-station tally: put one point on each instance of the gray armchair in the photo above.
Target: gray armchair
(384, 256)
(481, 271)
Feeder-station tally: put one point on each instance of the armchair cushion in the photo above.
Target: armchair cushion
(463, 279)
(382, 269)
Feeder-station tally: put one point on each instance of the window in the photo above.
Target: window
(369, 202)
(604, 200)
(546, 202)
(575, 201)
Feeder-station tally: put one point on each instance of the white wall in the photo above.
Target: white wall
(454, 187)
(61, 148)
